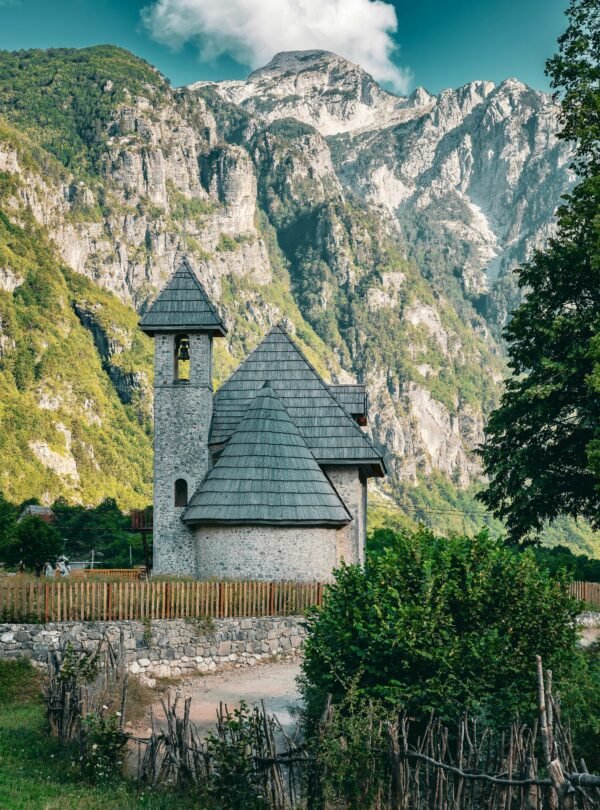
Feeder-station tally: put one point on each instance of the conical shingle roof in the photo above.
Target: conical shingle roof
(328, 429)
(183, 306)
(267, 475)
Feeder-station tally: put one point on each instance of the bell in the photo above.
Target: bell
(183, 351)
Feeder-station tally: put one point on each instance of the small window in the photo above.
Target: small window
(181, 493)
(182, 358)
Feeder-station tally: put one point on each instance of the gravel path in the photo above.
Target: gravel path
(273, 683)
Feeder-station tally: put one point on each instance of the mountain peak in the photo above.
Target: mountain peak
(319, 88)
(296, 61)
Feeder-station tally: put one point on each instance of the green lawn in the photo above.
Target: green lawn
(36, 774)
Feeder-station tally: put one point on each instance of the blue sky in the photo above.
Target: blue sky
(437, 43)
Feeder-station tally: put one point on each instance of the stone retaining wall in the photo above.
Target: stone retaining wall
(164, 648)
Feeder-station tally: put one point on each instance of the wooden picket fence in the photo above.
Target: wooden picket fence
(83, 599)
(111, 573)
(88, 600)
(588, 592)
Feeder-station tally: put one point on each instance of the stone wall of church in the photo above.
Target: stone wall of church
(302, 554)
(352, 489)
(182, 414)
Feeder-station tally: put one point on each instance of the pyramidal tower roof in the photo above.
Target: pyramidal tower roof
(183, 305)
(267, 475)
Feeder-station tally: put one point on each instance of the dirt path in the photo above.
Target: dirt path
(273, 683)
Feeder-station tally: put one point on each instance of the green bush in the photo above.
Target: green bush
(579, 566)
(104, 749)
(442, 624)
(33, 541)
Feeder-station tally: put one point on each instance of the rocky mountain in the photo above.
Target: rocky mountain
(382, 230)
(472, 176)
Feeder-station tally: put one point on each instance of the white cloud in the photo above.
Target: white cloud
(252, 31)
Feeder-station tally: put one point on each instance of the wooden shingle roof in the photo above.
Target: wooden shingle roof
(267, 475)
(327, 428)
(183, 306)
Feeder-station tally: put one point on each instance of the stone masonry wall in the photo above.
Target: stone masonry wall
(352, 490)
(303, 554)
(165, 648)
(182, 415)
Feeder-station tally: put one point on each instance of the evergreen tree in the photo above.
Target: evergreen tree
(542, 442)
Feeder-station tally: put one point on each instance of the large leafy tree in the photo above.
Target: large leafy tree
(33, 542)
(103, 528)
(542, 442)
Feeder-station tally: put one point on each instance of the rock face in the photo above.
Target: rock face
(479, 166)
(384, 230)
(316, 87)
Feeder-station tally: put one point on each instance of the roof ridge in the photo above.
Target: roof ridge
(183, 304)
(277, 346)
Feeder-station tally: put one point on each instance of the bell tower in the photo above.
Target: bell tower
(183, 322)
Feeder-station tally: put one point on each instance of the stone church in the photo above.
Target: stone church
(267, 477)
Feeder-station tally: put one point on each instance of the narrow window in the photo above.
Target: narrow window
(181, 495)
(182, 358)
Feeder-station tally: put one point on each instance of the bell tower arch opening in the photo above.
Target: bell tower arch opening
(181, 365)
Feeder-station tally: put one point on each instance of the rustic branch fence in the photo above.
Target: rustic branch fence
(85, 600)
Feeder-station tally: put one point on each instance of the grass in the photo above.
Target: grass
(37, 774)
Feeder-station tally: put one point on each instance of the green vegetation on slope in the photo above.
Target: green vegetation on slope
(63, 429)
(64, 98)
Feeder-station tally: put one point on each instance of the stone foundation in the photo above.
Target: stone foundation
(165, 648)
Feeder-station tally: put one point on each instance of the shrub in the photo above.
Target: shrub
(445, 625)
(103, 746)
(235, 779)
(34, 541)
(580, 566)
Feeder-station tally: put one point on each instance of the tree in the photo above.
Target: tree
(8, 520)
(539, 440)
(34, 541)
(103, 528)
(443, 624)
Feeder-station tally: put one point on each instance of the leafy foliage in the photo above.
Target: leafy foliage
(443, 624)
(105, 743)
(561, 558)
(537, 442)
(103, 528)
(540, 443)
(65, 98)
(575, 72)
(236, 781)
(33, 541)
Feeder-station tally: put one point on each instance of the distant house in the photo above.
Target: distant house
(267, 478)
(42, 512)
